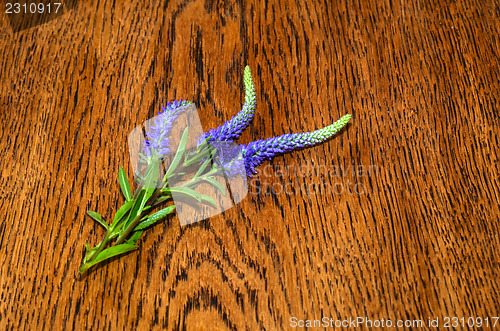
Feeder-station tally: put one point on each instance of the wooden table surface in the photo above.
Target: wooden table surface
(395, 218)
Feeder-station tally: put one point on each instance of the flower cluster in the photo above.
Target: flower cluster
(232, 129)
(157, 142)
(256, 152)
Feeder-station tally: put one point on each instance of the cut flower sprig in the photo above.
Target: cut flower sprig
(215, 155)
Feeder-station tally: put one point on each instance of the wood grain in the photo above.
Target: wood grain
(419, 240)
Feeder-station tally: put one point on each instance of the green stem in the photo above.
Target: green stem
(93, 254)
(137, 219)
(126, 232)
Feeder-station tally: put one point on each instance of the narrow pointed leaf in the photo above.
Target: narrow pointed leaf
(124, 184)
(203, 167)
(163, 198)
(178, 155)
(208, 200)
(218, 185)
(187, 192)
(151, 219)
(122, 212)
(89, 252)
(109, 253)
(135, 209)
(134, 238)
(205, 153)
(97, 217)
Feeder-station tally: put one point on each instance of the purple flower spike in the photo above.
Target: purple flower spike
(157, 142)
(233, 128)
(256, 152)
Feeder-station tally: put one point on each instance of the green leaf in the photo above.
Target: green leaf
(97, 217)
(163, 198)
(136, 208)
(178, 155)
(121, 212)
(203, 167)
(202, 145)
(89, 252)
(149, 193)
(191, 194)
(187, 192)
(109, 253)
(208, 200)
(202, 149)
(207, 152)
(134, 238)
(215, 183)
(151, 219)
(140, 207)
(124, 184)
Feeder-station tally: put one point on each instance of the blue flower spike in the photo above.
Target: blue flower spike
(232, 129)
(157, 142)
(256, 152)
